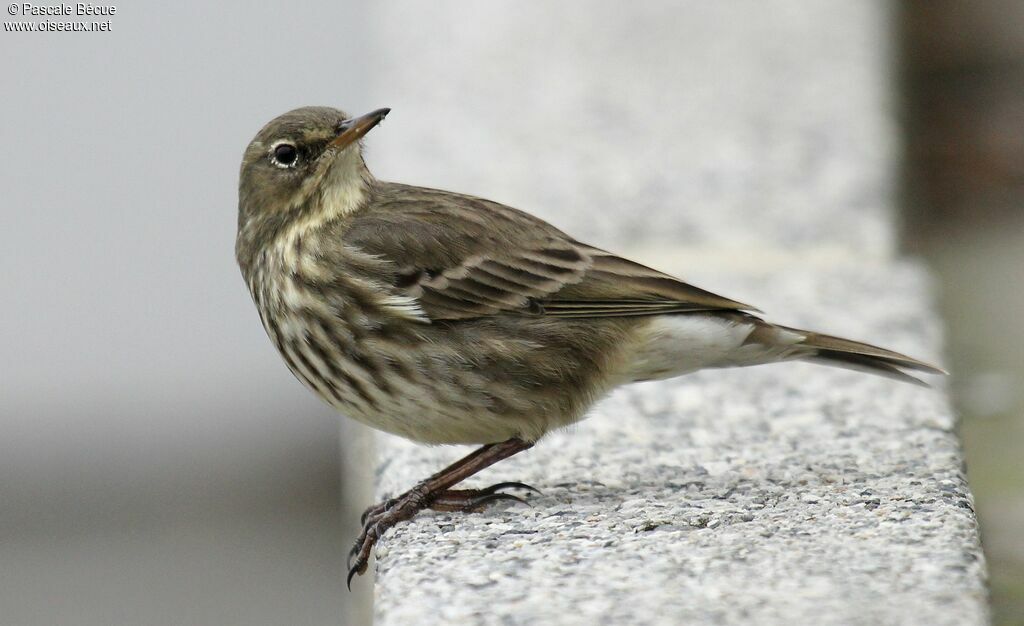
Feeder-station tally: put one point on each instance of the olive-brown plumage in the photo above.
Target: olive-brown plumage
(446, 318)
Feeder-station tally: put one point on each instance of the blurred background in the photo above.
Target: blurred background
(158, 465)
(962, 82)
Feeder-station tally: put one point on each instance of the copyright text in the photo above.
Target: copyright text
(80, 9)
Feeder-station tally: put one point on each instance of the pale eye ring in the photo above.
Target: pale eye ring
(284, 154)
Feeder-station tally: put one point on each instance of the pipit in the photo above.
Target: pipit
(450, 319)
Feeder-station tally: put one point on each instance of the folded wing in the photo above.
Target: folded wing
(463, 257)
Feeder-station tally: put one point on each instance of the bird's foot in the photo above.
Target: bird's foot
(473, 500)
(377, 519)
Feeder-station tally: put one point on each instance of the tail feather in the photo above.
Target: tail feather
(863, 357)
(865, 364)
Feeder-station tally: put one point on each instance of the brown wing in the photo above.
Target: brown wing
(463, 257)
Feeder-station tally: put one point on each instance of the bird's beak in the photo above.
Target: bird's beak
(353, 129)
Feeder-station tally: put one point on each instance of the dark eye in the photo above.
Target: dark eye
(285, 155)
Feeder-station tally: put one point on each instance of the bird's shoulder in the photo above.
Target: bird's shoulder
(404, 220)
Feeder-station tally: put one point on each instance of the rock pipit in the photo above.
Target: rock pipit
(450, 319)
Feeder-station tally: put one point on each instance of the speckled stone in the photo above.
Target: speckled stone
(789, 493)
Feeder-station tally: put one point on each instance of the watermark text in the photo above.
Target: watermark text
(51, 14)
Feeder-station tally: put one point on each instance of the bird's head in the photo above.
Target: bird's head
(306, 163)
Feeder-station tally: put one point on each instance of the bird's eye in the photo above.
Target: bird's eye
(284, 155)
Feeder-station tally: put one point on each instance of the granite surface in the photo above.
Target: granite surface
(788, 493)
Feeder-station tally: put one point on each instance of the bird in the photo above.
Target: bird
(446, 318)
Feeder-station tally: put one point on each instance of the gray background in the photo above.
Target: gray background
(158, 464)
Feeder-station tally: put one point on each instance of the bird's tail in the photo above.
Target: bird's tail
(864, 357)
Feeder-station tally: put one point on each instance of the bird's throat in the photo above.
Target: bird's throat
(343, 189)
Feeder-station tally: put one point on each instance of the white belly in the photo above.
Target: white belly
(673, 345)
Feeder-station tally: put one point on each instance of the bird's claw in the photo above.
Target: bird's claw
(510, 485)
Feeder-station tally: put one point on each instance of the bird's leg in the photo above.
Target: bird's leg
(435, 492)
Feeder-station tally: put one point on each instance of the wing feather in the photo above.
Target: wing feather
(463, 257)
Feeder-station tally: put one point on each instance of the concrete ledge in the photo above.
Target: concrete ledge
(789, 493)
